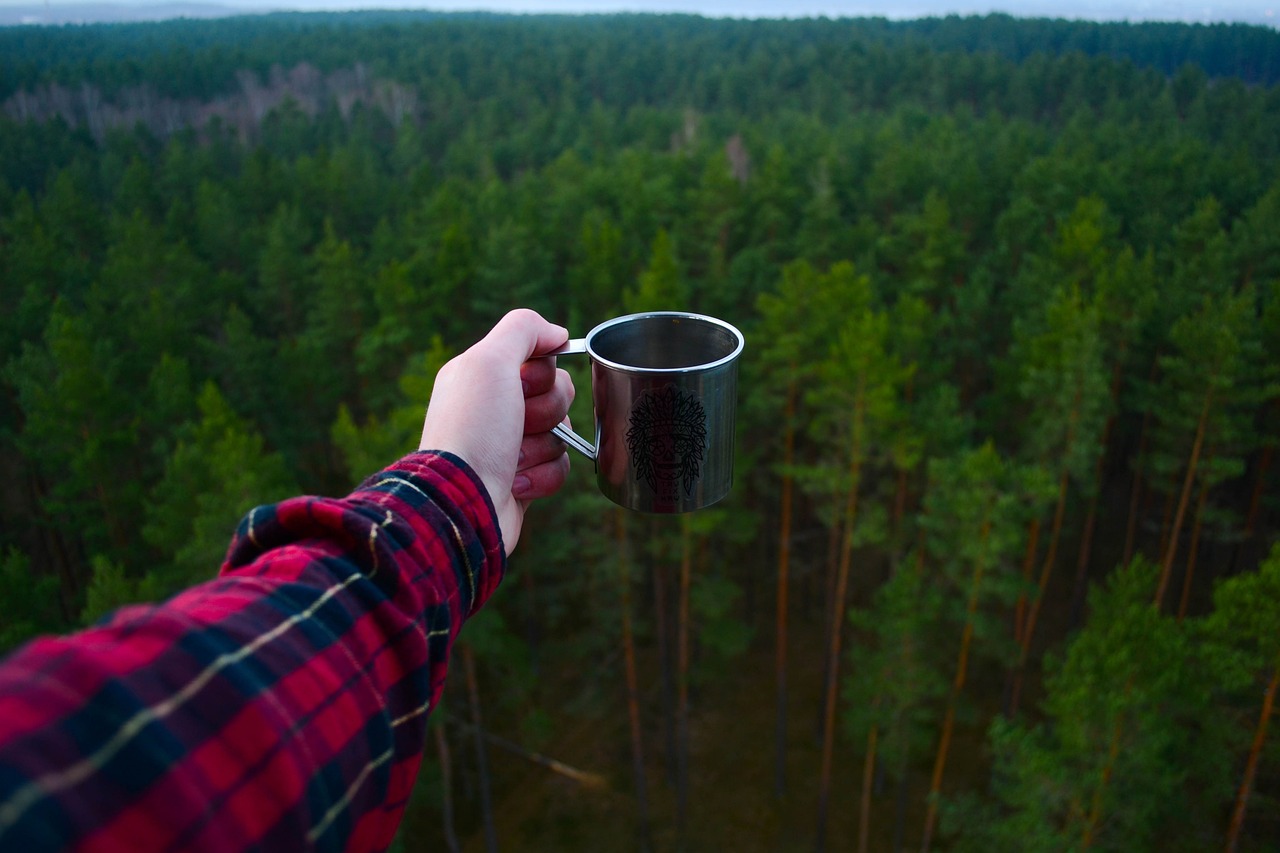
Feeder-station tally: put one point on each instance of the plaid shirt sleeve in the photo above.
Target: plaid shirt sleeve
(281, 706)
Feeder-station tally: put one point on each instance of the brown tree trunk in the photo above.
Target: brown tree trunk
(902, 487)
(833, 648)
(1079, 591)
(1171, 551)
(1193, 550)
(633, 691)
(682, 731)
(1166, 517)
(957, 685)
(1135, 493)
(868, 771)
(1028, 566)
(784, 566)
(1091, 517)
(1029, 630)
(1251, 766)
(1113, 752)
(446, 785)
(834, 536)
(1259, 486)
(662, 626)
(482, 752)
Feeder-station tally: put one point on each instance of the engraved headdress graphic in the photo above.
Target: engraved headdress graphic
(667, 438)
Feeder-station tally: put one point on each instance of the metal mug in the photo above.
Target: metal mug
(664, 392)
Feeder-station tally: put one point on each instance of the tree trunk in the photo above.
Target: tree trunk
(663, 629)
(633, 691)
(1259, 486)
(832, 575)
(1194, 549)
(1113, 752)
(1029, 630)
(682, 731)
(446, 785)
(868, 768)
(900, 804)
(1091, 517)
(901, 489)
(1028, 566)
(1079, 591)
(833, 648)
(72, 578)
(957, 685)
(1172, 550)
(532, 625)
(1251, 766)
(784, 565)
(1135, 493)
(1167, 515)
(482, 753)
(587, 778)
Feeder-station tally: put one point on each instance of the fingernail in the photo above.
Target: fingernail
(521, 486)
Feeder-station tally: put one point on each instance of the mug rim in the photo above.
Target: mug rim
(646, 315)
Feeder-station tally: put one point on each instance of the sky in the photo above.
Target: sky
(1182, 10)
(1265, 12)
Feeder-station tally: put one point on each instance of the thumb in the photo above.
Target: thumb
(522, 334)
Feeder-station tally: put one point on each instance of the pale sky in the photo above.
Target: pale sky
(1250, 11)
(1265, 12)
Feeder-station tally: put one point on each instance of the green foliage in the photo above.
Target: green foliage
(1062, 383)
(860, 379)
(963, 249)
(1243, 629)
(108, 590)
(1211, 385)
(722, 635)
(1131, 739)
(28, 602)
(218, 471)
(659, 287)
(380, 441)
(898, 678)
(972, 521)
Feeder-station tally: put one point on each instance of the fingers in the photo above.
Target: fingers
(538, 376)
(539, 449)
(543, 409)
(543, 479)
(543, 465)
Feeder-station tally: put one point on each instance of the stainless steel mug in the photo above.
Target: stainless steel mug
(664, 392)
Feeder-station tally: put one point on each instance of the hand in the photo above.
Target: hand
(494, 406)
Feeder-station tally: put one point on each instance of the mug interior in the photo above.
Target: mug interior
(664, 342)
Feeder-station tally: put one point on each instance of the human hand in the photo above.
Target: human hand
(495, 404)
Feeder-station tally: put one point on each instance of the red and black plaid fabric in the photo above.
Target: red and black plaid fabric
(281, 706)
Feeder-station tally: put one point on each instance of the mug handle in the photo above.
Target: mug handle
(568, 436)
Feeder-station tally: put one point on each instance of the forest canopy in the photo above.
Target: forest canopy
(1006, 499)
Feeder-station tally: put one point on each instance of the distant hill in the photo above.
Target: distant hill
(110, 13)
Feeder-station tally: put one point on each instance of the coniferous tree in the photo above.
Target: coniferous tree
(1244, 633)
(1127, 694)
(218, 471)
(975, 513)
(1064, 386)
(855, 407)
(795, 325)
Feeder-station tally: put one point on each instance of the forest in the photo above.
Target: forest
(999, 570)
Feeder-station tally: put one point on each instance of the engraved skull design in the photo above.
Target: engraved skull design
(667, 439)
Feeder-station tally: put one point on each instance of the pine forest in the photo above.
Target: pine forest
(999, 568)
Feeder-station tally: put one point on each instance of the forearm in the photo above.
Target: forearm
(283, 703)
